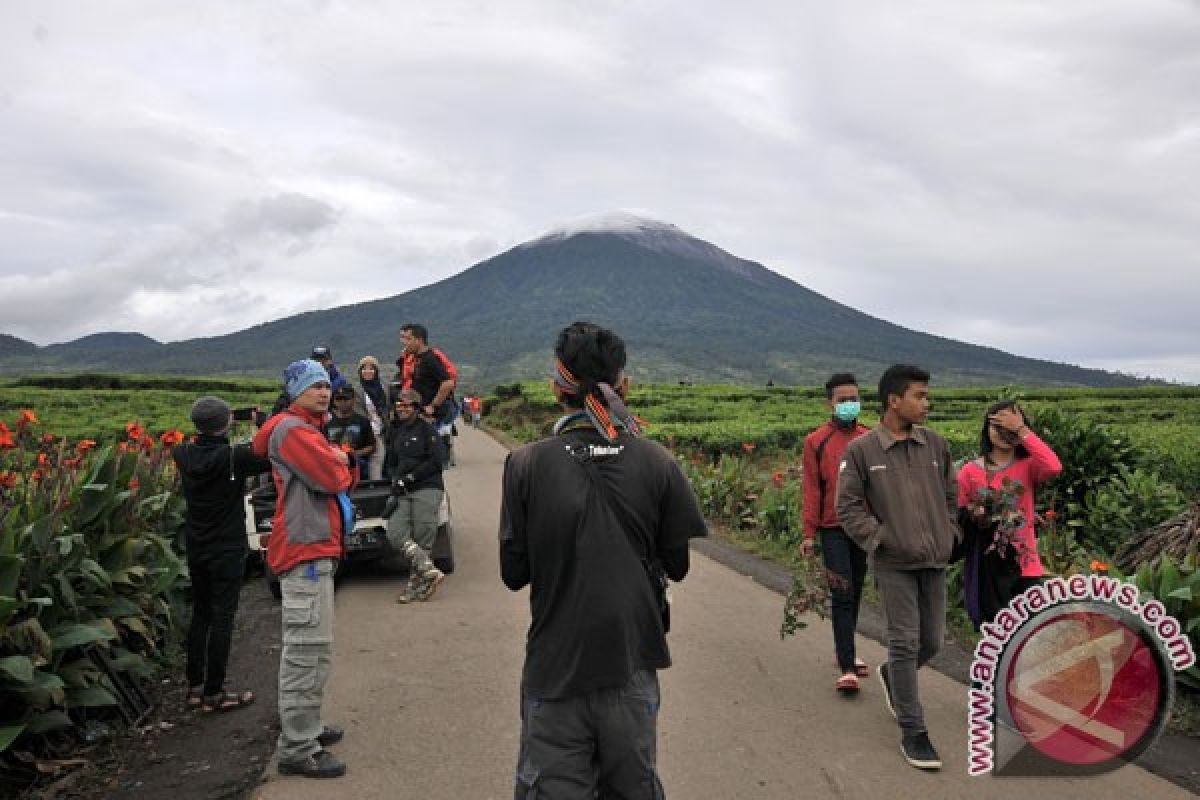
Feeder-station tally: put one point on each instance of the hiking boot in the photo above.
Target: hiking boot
(430, 581)
(919, 752)
(887, 688)
(330, 734)
(321, 764)
(409, 595)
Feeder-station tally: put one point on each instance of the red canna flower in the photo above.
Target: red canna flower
(777, 479)
(748, 447)
(72, 463)
(1099, 566)
(42, 460)
(6, 437)
(48, 438)
(1051, 515)
(134, 432)
(134, 483)
(37, 475)
(171, 438)
(83, 445)
(147, 443)
(27, 418)
(8, 480)
(123, 447)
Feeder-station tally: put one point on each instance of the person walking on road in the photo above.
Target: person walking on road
(303, 550)
(414, 460)
(593, 520)
(845, 560)
(897, 499)
(1009, 451)
(213, 473)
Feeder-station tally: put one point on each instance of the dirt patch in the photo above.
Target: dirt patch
(186, 755)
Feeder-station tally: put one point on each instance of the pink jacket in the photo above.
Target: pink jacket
(1041, 465)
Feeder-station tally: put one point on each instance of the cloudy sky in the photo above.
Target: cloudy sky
(1017, 174)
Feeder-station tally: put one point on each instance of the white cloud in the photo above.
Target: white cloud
(1016, 174)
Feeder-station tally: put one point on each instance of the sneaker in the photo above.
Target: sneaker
(330, 734)
(409, 595)
(887, 688)
(321, 764)
(430, 582)
(919, 752)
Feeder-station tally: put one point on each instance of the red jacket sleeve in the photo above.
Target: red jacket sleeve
(812, 488)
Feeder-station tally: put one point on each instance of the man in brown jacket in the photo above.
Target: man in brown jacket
(897, 498)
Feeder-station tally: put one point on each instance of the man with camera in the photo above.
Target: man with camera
(414, 462)
(213, 474)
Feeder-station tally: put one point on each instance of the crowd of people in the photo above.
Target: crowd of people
(595, 520)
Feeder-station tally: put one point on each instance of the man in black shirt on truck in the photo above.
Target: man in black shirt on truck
(591, 519)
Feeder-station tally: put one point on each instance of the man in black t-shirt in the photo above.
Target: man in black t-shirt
(591, 518)
(349, 429)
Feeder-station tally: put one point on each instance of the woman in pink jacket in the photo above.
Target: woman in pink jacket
(1009, 450)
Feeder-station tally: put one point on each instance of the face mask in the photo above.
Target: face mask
(848, 411)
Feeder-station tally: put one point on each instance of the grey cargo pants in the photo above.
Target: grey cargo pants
(307, 656)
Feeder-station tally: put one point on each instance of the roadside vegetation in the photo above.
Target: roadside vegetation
(1124, 504)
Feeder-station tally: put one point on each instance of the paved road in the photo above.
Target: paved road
(428, 693)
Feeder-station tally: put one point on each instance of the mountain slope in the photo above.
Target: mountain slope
(687, 309)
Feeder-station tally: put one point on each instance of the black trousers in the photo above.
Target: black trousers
(848, 562)
(216, 586)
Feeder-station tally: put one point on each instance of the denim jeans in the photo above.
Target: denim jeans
(216, 585)
(848, 562)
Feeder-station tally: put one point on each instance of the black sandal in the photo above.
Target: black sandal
(227, 701)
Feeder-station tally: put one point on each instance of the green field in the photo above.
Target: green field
(75, 408)
(1162, 421)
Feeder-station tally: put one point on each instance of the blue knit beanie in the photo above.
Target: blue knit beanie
(302, 374)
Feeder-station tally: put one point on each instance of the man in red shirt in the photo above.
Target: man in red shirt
(823, 450)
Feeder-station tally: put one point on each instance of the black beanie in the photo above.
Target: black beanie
(211, 415)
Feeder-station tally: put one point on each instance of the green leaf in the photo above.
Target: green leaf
(71, 635)
(91, 697)
(46, 689)
(8, 735)
(17, 668)
(1169, 578)
(8, 607)
(53, 720)
(1183, 593)
(10, 574)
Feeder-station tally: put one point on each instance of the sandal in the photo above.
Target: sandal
(227, 701)
(195, 698)
(848, 683)
(861, 668)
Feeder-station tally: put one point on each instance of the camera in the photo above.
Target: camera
(249, 415)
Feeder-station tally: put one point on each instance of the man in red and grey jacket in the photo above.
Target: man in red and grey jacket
(823, 450)
(303, 549)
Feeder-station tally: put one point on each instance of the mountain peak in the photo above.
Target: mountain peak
(626, 222)
(652, 234)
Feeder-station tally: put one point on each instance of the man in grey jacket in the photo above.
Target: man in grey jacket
(897, 499)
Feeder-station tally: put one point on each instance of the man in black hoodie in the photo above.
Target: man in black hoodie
(213, 473)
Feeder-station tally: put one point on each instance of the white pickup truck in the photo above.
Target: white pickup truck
(367, 543)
